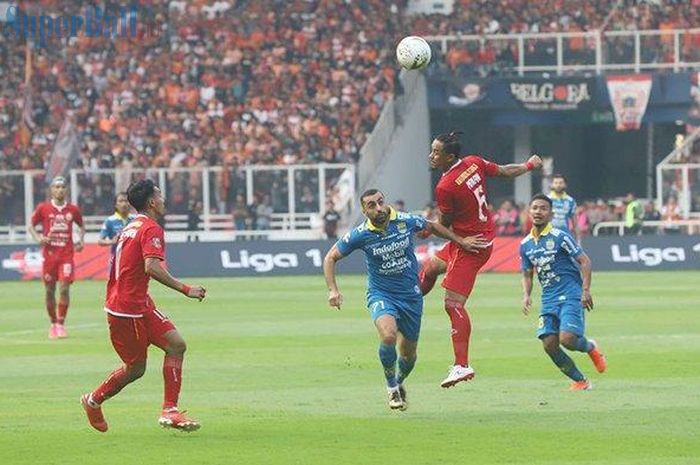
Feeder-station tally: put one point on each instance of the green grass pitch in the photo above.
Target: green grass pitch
(276, 377)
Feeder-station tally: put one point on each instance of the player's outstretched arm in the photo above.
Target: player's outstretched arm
(527, 290)
(469, 243)
(335, 298)
(155, 270)
(517, 169)
(586, 276)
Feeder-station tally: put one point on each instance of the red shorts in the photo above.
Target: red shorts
(58, 269)
(462, 267)
(132, 336)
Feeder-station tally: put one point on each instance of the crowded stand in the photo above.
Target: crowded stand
(297, 82)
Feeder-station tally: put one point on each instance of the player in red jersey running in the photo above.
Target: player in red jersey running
(462, 204)
(56, 218)
(134, 322)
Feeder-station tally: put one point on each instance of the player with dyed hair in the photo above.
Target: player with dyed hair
(564, 272)
(563, 207)
(393, 296)
(462, 204)
(134, 322)
(113, 225)
(57, 218)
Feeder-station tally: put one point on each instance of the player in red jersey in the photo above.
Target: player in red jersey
(56, 218)
(462, 203)
(134, 322)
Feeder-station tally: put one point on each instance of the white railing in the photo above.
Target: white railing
(590, 51)
(298, 196)
(693, 226)
(680, 179)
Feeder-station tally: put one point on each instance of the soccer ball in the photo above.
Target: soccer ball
(413, 52)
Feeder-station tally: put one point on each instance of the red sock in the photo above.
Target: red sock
(461, 331)
(51, 310)
(172, 375)
(427, 276)
(114, 383)
(62, 312)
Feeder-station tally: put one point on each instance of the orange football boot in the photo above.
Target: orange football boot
(597, 358)
(584, 385)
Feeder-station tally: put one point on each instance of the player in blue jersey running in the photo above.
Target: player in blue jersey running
(394, 299)
(564, 272)
(563, 208)
(113, 225)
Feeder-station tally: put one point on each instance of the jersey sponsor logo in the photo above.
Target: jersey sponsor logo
(387, 248)
(156, 243)
(127, 233)
(549, 244)
(649, 256)
(465, 174)
(401, 227)
(473, 181)
(69, 216)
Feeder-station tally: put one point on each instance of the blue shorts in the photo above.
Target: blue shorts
(407, 312)
(566, 315)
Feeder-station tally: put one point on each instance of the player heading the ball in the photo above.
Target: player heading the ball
(463, 205)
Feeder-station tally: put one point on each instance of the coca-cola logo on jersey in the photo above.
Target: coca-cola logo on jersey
(566, 95)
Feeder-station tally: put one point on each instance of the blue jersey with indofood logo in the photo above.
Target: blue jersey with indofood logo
(553, 255)
(563, 210)
(392, 267)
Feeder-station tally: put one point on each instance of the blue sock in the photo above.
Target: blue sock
(387, 355)
(583, 345)
(566, 365)
(405, 368)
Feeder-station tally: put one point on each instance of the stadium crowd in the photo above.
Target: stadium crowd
(288, 82)
(479, 17)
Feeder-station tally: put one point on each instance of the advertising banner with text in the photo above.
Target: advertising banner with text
(277, 258)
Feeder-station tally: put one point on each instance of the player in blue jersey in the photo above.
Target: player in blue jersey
(394, 299)
(563, 208)
(113, 225)
(564, 272)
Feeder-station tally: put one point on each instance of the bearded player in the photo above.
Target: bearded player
(462, 204)
(134, 322)
(393, 296)
(57, 217)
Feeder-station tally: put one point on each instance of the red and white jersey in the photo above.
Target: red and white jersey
(127, 288)
(461, 193)
(57, 223)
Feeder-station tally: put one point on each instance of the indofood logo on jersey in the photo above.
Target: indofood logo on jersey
(548, 95)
